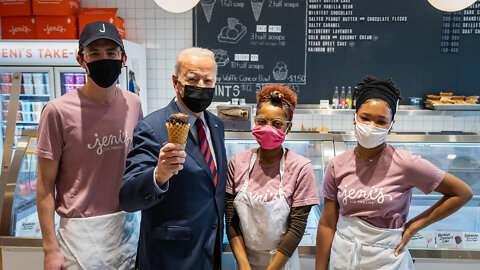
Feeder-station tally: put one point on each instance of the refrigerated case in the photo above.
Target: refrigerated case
(459, 234)
(453, 243)
(449, 244)
(36, 90)
(317, 147)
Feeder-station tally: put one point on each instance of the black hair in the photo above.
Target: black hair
(371, 88)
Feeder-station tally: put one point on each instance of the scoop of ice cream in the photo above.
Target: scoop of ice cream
(179, 118)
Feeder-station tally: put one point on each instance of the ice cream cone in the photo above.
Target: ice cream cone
(178, 133)
(207, 6)
(257, 8)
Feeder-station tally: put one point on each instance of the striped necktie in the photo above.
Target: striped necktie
(205, 149)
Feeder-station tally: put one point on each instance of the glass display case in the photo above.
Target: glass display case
(452, 240)
(19, 202)
(457, 236)
(316, 147)
(36, 90)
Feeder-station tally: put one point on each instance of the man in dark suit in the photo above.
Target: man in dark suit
(182, 214)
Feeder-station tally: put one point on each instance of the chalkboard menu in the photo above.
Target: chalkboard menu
(314, 46)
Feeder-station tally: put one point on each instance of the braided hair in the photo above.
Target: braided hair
(280, 96)
(371, 88)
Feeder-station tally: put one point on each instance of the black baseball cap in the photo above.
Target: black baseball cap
(98, 30)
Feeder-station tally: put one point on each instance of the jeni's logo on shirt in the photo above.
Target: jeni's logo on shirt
(370, 195)
(110, 142)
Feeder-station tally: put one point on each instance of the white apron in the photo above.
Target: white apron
(359, 245)
(99, 243)
(264, 224)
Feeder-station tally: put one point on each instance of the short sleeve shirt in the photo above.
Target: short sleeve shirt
(91, 142)
(379, 191)
(298, 179)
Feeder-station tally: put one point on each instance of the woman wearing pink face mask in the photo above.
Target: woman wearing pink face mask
(270, 190)
(368, 190)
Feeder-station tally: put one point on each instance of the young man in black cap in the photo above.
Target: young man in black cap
(83, 139)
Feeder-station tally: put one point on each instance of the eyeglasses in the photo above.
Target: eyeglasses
(276, 123)
(109, 54)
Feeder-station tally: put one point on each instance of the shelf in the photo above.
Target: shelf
(23, 122)
(24, 111)
(23, 95)
(437, 197)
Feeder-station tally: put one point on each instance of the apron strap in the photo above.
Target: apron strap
(282, 170)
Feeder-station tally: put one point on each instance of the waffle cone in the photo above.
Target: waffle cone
(178, 133)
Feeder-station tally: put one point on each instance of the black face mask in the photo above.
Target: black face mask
(197, 98)
(105, 72)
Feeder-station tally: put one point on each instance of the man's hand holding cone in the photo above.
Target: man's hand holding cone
(172, 155)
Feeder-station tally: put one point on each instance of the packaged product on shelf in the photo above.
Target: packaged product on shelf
(56, 7)
(37, 106)
(35, 116)
(26, 106)
(27, 78)
(6, 77)
(19, 27)
(56, 27)
(69, 87)
(6, 87)
(39, 89)
(80, 78)
(28, 89)
(27, 116)
(15, 7)
(69, 78)
(89, 15)
(38, 78)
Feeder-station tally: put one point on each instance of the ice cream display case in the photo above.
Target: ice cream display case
(453, 243)
(317, 147)
(19, 209)
(457, 236)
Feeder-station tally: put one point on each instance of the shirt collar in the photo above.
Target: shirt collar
(191, 118)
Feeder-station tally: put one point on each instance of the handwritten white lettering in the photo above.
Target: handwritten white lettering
(374, 194)
(111, 142)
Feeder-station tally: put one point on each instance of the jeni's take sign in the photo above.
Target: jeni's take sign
(38, 53)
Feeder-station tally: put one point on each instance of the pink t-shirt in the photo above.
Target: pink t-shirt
(298, 179)
(380, 191)
(91, 141)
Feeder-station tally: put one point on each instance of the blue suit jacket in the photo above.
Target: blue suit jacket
(179, 228)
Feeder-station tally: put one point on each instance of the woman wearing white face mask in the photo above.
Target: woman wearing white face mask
(270, 190)
(368, 190)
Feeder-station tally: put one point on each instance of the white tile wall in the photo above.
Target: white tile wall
(164, 34)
